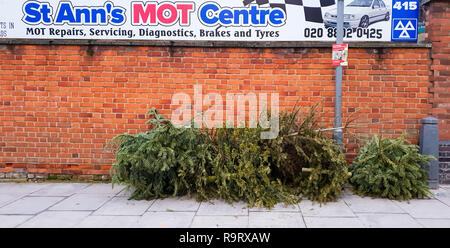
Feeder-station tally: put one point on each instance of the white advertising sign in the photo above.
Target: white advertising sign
(216, 20)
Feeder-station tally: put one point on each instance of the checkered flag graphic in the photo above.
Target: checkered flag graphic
(311, 8)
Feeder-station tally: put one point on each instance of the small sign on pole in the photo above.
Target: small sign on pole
(340, 54)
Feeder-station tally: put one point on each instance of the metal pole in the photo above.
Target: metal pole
(337, 134)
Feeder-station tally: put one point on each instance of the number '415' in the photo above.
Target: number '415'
(406, 5)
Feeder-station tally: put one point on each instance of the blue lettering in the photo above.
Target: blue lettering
(212, 14)
(254, 14)
(276, 16)
(263, 16)
(83, 14)
(225, 16)
(96, 13)
(204, 13)
(117, 16)
(65, 13)
(46, 11)
(238, 14)
(33, 15)
(101, 15)
(36, 12)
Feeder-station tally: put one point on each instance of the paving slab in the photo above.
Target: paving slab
(330, 209)
(102, 188)
(166, 219)
(439, 190)
(221, 208)
(444, 199)
(275, 220)
(60, 189)
(109, 222)
(56, 219)
(29, 205)
(180, 204)
(388, 221)
(10, 221)
(434, 223)
(99, 205)
(21, 188)
(220, 222)
(82, 202)
(426, 209)
(280, 207)
(123, 206)
(369, 205)
(443, 196)
(8, 198)
(333, 222)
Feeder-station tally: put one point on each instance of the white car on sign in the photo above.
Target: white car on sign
(359, 13)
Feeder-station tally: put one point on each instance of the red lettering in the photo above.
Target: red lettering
(162, 13)
(185, 9)
(139, 13)
(166, 13)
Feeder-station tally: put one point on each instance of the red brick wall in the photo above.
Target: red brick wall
(438, 29)
(59, 105)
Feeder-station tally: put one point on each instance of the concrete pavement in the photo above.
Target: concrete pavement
(99, 205)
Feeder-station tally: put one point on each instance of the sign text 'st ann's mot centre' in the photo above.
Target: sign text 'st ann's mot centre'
(221, 20)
